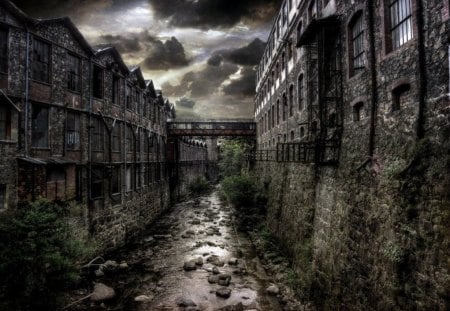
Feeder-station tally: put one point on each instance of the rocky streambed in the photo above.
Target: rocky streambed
(192, 259)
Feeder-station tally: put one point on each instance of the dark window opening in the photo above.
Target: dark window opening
(74, 73)
(98, 134)
(332, 120)
(40, 69)
(73, 131)
(115, 180)
(357, 112)
(291, 100)
(300, 93)
(96, 182)
(39, 126)
(5, 123)
(2, 197)
(3, 50)
(97, 82)
(138, 176)
(312, 11)
(129, 181)
(116, 138)
(278, 111)
(116, 90)
(130, 139)
(285, 107)
(302, 132)
(400, 96)
(314, 128)
(299, 31)
(292, 135)
(128, 101)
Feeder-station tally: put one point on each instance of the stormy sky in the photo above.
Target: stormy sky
(201, 53)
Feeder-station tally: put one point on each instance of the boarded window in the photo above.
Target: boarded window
(97, 82)
(98, 134)
(400, 19)
(74, 73)
(96, 182)
(3, 50)
(73, 131)
(39, 126)
(5, 123)
(40, 70)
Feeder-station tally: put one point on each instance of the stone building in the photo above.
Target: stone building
(78, 125)
(352, 108)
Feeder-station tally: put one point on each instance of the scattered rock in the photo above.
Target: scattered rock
(99, 272)
(233, 261)
(215, 270)
(215, 260)
(273, 290)
(238, 307)
(223, 292)
(185, 302)
(196, 222)
(142, 298)
(102, 292)
(213, 279)
(123, 266)
(199, 261)
(190, 265)
(224, 279)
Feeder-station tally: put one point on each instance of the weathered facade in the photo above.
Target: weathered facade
(78, 125)
(353, 117)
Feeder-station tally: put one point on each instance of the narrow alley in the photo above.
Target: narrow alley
(193, 259)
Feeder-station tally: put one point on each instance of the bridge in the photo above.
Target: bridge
(215, 128)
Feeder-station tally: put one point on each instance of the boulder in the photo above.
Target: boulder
(223, 292)
(102, 292)
(190, 265)
(273, 290)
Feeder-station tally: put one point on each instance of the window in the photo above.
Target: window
(73, 131)
(130, 139)
(283, 61)
(40, 70)
(115, 139)
(292, 135)
(97, 82)
(5, 123)
(115, 180)
(3, 50)
(278, 111)
(116, 90)
(300, 93)
(39, 126)
(356, 48)
(357, 111)
(299, 31)
(400, 96)
(400, 22)
(285, 107)
(74, 73)
(138, 172)
(312, 11)
(96, 182)
(56, 182)
(302, 132)
(273, 115)
(290, 49)
(2, 197)
(291, 100)
(129, 181)
(128, 102)
(98, 134)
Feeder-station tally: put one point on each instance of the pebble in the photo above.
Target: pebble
(223, 292)
(233, 261)
(102, 292)
(190, 265)
(142, 298)
(185, 302)
(273, 290)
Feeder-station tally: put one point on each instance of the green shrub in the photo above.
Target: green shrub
(199, 186)
(37, 257)
(239, 190)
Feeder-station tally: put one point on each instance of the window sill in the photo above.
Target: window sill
(401, 49)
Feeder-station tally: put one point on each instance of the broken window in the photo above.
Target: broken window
(96, 182)
(73, 131)
(5, 123)
(98, 134)
(400, 22)
(97, 82)
(40, 69)
(3, 50)
(74, 73)
(39, 126)
(356, 48)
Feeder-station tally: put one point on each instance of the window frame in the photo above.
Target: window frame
(71, 75)
(34, 62)
(4, 55)
(5, 123)
(35, 123)
(99, 174)
(389, 27)
(301, 92)
(98, 90)
(98, 135)
(76, 130)
(356, 44)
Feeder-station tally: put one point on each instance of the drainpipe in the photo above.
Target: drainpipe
(373, 76)
(27, 65)
(422, 70)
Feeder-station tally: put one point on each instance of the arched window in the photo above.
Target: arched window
(356, 44)
(291, 100)
(300, 93)
(400, 96)
(302, 132)
(292, 135)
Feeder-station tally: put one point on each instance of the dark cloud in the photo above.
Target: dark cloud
(244, 86)
(214, 13)
(164, 56)
(124, 44)
(185, 108)
(249, 55)
(215, 60)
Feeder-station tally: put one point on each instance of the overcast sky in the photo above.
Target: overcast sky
(201, 51)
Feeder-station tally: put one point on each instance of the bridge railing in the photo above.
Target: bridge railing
(232, 124)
